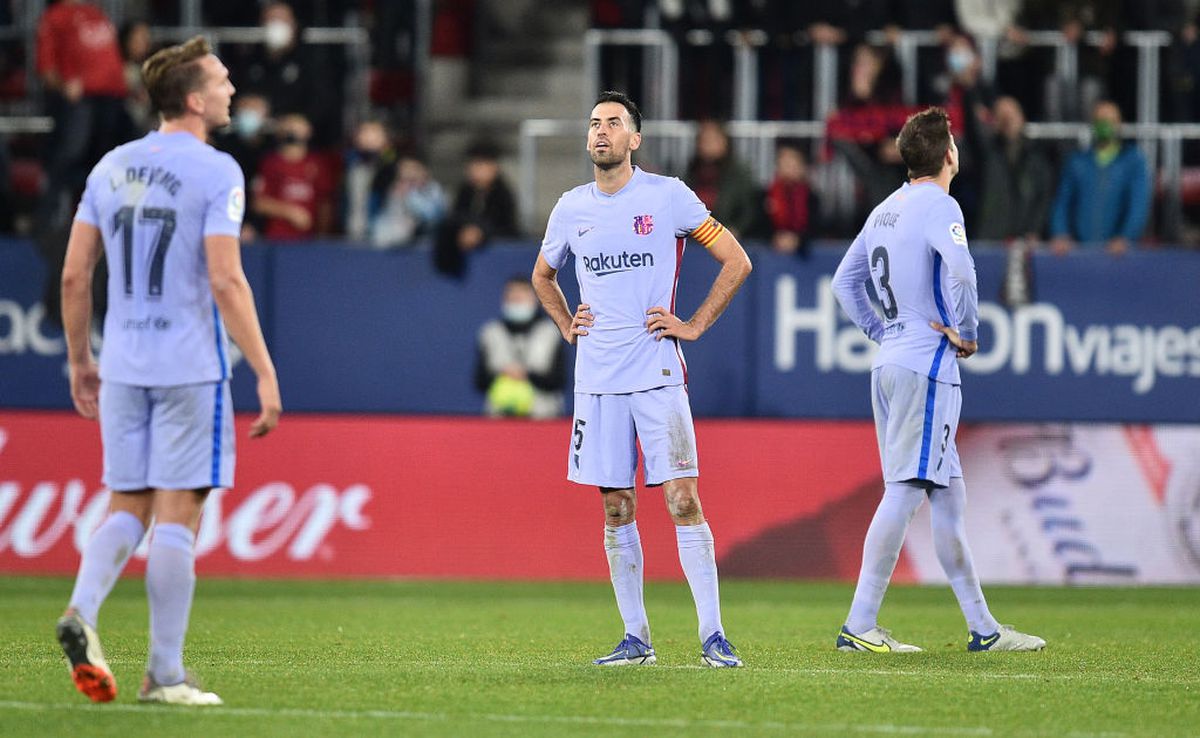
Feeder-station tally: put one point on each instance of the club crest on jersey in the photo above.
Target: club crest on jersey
(643, 224)
(958, 234)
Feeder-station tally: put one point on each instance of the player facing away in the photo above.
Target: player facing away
(627, 231)
(166, 211)
(913, 250)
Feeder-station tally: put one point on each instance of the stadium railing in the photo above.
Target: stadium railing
(663, 67)
(671, 143)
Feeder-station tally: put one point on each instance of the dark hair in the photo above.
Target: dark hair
(483, 151)
(518, 279)
(923, 142)
(171, 74)
(635, 115)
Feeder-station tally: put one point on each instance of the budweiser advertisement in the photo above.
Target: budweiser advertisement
(377, 496)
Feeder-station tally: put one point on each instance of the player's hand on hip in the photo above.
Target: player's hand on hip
(665, 324)
(85, 389)
(964, 348)
(580, 322)
(270, 407)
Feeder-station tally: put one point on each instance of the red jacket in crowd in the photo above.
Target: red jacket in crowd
(306, 183)
(78, 41)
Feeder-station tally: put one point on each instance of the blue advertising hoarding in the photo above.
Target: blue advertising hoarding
(353, 330)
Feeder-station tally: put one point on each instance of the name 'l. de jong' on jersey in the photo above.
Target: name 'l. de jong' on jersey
(154, 201)
(628, 247)
(913, 251)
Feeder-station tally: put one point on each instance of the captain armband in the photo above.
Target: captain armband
(708, 232)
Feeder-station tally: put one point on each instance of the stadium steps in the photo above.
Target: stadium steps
(535, 73)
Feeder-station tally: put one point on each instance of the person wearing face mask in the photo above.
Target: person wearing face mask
(287, 72)
(414, 206)
(369, 168)
(966, 99)
(292, 190)
(247, 140)
(520, 366)
(1104, 194)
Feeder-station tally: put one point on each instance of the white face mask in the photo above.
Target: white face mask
(518, 312)
(279, 34)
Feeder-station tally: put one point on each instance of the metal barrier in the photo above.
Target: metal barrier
(670, 143)
(661, 98)
(747, 48)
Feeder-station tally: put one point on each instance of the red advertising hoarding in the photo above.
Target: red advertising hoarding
(332, 496)
(378, 496)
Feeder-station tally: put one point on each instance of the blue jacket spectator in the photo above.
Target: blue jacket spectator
(1104, 194)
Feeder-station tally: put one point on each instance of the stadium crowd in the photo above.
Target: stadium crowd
(309, 178)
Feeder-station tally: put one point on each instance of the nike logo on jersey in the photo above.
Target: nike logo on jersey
(683, 463)
(583, 231)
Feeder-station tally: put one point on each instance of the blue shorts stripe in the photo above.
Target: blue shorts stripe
(218, 417)
(927, 429)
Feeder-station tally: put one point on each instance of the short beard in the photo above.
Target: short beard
(607, 165)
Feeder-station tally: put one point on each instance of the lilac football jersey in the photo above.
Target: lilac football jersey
(913, 250)
(155, 200)
(628, 247)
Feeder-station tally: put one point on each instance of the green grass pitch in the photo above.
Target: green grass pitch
(512, 659)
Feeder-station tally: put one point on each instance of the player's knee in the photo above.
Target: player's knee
(684, 506)
(620, 508)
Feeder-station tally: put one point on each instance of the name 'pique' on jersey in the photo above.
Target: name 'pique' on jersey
(628, 248)
(913, 250)
(154, 201)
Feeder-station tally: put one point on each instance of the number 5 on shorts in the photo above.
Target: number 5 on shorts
(579, 424)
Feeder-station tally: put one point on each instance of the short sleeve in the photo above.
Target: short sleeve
(226, 200)
(555, 245)
(89, 210)
(689, 212)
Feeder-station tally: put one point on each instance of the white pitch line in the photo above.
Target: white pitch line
(815, 671)
(925, 674)
(682, 723)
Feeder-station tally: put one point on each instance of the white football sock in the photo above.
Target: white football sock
(170, 582)
(948, 509)
(104, 558)
(623, 546)
(699, 561)
(881, 550)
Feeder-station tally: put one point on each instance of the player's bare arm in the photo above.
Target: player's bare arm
(235, 300)
(83, 253)
(735, 267)
(545, 284)
(964, 347)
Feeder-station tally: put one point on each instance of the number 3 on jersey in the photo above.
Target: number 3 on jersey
(880, 273)
(123, 221)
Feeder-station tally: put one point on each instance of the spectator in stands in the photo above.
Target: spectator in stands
(863, 130)
(414, 206)
(994, 23)
(484, 208)
(1104, 193)
(967, 100)
(520, 365)
(293, 192)
(248, 140)
(723, 183)
(79, 63)
(135, 48)
(792, 203)
(1075, 19)
(1017, 180)
(370, 167)
(292, 76)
